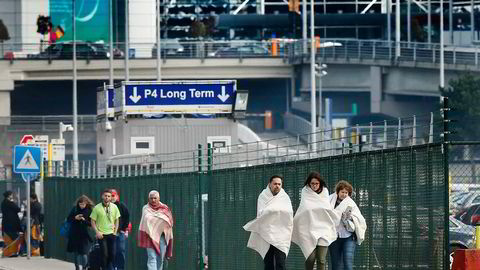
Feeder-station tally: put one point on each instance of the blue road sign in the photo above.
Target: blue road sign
(171, 94)
(110, 96)
(27, 159)
(27, 177)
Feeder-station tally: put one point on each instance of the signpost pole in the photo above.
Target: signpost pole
(28, 222)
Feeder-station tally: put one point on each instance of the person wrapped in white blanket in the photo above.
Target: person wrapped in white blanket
(314, 224)
(271, 230)
(351, 228)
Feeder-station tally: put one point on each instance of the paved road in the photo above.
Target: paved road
(37, 263)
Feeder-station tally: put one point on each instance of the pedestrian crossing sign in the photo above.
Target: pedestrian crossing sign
(27, 159)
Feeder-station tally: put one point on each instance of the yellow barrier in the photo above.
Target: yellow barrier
(477, 237)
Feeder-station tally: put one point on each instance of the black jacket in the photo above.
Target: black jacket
(79, 238)
(35, 212)
(124, 216)
(10, 219)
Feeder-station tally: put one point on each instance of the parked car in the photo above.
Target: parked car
(249, 50)
(117, 53)
(469, 215)
(464, 200)
(461, 236)
(65, 51)
(168, 47)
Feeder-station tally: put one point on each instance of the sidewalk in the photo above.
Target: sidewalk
(37, 263)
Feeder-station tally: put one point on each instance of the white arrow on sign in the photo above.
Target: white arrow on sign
(135, 97)
(223, 97)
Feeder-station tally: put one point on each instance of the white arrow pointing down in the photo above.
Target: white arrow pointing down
(223, 97)
(135, 97)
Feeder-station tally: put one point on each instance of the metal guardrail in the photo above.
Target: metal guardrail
(383, 135)
(293, 50)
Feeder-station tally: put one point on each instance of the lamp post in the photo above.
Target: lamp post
(75, 116)
(159, 50)
(319, 73)
(313, 109)
(442, 51)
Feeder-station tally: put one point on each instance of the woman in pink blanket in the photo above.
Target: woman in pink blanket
(155, 232)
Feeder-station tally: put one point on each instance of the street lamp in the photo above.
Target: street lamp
(313, 110)
(319, 73)
(62, 128)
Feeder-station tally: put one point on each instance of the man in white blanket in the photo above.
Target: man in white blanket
(314, 224)
(271, 231)
(350, 230)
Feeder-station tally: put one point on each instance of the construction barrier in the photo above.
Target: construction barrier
(466, 259)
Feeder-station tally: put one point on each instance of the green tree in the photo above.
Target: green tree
(3, 36)
(3, 32)
(464, 97)
(198, 29)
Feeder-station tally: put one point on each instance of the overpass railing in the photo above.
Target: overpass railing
(295, 51)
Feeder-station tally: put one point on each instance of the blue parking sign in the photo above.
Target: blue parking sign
(27, 159)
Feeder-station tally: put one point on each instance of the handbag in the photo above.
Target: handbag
(65, 228)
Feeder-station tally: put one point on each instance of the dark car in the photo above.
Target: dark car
(468, 215)
(242, 51)
(117, 53)
(65, 51)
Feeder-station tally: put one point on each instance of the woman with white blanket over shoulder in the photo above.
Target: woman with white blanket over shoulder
(271, 230)
(314, 222)
(351, 228)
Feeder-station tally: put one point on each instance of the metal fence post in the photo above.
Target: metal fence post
(399, 133)
(414, 131)
(385, 134)
(445, 146)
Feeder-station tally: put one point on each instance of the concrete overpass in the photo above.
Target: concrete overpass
(355, 67)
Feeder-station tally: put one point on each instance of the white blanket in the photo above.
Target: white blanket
(314, 219)
(358, 219)
(273, 225)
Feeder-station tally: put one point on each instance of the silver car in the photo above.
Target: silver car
(462, 236)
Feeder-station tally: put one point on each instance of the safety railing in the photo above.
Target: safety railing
(293, 50)
(402, 132)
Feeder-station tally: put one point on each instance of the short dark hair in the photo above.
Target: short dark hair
(7, 194)
(107, 190)
(275, 176)
(33, 196)
(316, 175)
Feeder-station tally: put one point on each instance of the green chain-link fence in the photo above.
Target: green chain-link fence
(464, 194)
(400, 191)
(179, 191)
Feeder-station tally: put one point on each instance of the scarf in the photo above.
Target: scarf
(156, 220)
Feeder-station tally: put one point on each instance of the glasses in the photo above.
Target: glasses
(314, 184)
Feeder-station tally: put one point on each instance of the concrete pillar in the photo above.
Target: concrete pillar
(375, 89)
(6, 86)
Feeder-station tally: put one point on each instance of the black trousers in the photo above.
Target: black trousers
(108, 249)
(275, 259)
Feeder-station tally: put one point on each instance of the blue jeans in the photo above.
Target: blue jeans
(154, 260)
(119, 262)
(80, 260)
(342, 252)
